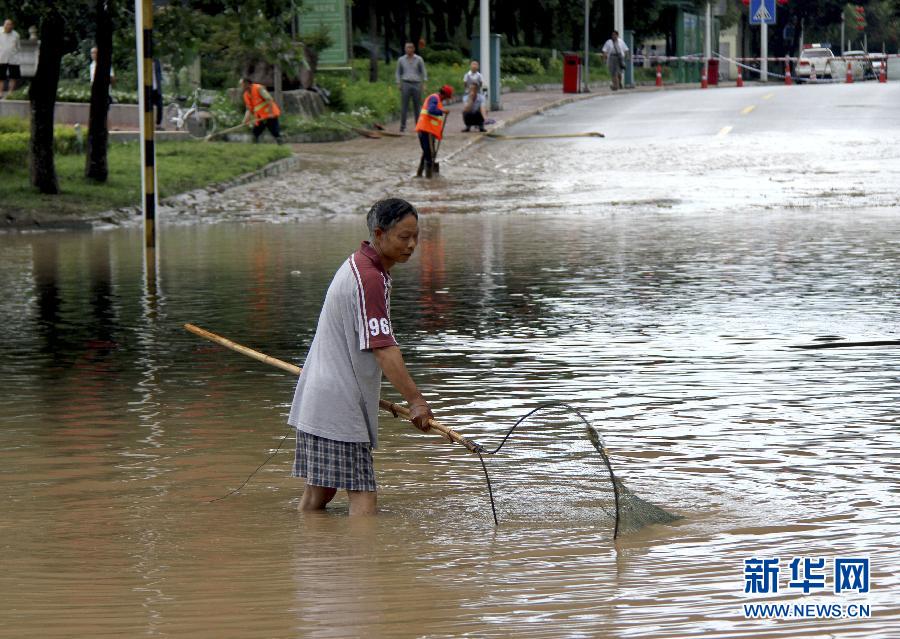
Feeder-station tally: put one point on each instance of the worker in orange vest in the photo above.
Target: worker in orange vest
(430, 126)
(261, 109)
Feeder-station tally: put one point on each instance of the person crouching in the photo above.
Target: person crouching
(261, 109)
(430, 126)
(473, 109)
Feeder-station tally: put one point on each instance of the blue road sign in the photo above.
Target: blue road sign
(762, 11)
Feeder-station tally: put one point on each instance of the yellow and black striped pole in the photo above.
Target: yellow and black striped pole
(143, 12)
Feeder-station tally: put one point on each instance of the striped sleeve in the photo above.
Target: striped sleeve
(373, 292)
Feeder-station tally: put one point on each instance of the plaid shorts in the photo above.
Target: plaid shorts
(334, 464)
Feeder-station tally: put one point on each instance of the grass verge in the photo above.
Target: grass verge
(181, 166)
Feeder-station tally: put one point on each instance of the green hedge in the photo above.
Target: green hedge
(14, 144)
(521, 66)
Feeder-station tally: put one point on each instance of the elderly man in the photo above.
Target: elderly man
(9, 64)
(411, 76)
(615, 50)
(335, 407)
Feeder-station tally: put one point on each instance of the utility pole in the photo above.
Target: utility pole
(484, 22)
(586, 76)
(619, 17)
(143, 15)
(707, 40)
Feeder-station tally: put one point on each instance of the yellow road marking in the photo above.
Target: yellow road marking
(748, 109)
(725, 130)
(768, 96)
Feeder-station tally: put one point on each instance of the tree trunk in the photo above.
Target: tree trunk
(42, 97)
(373, 42)
(96, 167)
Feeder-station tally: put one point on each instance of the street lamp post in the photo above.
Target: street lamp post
(484, 23)
(586, 76)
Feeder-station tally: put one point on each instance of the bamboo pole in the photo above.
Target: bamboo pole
(884, 342)
(396, 410)
(224, 132)
(541, 136)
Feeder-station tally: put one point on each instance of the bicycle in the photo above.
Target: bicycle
(197, 120)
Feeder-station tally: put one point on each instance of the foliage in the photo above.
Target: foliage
(15, 136)
(80, 91)
(446, 57)
(181, 166)
(521, 65)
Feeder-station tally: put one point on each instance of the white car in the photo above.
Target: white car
(819, 58)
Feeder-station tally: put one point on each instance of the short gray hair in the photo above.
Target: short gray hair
(385, 214)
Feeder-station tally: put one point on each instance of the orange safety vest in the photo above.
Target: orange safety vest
(431, 123)
(258, 106)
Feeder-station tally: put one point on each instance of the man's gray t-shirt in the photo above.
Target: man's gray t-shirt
(411, 69)
(339, 388)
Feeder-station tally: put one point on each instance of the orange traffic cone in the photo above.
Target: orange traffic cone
(787, 73)
(882, 75)
(703, 83)
(849, 73)
(658, 75)
(740, 80)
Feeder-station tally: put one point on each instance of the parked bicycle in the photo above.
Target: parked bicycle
(197, 120)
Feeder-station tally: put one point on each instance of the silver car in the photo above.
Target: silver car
(860, 65)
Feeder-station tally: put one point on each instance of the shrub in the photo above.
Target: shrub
(523, 66)
(12, 124)
(544, 55)
(14, 144)
(452, 56)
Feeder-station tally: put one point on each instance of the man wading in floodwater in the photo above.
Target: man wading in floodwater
(335, 407)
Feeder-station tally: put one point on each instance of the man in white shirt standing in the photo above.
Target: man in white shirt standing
(615, 50)
(9, 64)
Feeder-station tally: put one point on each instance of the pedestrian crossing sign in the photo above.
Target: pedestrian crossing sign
(762, 11)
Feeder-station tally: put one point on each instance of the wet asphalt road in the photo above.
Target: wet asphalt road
(773, 148)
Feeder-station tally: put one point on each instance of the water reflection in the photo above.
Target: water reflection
(668, 331)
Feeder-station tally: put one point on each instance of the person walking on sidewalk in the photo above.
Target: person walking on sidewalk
(411, 75)
(261, 108)
(430, 126)
(9, 63)
(614, 50)
(335, 406)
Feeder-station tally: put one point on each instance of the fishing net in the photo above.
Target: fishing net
(558, 468)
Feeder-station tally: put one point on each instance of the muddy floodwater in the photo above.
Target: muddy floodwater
(670, 333)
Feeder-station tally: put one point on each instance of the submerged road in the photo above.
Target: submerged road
(774, 147)
(823, 147)
(654, 279)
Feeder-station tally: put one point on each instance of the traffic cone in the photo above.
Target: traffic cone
(658, 75)
(703, 83)
(849, 73)
(882, 75)
(740, 79)
(787, 73)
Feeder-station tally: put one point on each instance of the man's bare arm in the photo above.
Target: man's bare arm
(390, 359)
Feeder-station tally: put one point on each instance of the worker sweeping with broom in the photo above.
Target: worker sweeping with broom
(335, 407)
(430, 128)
